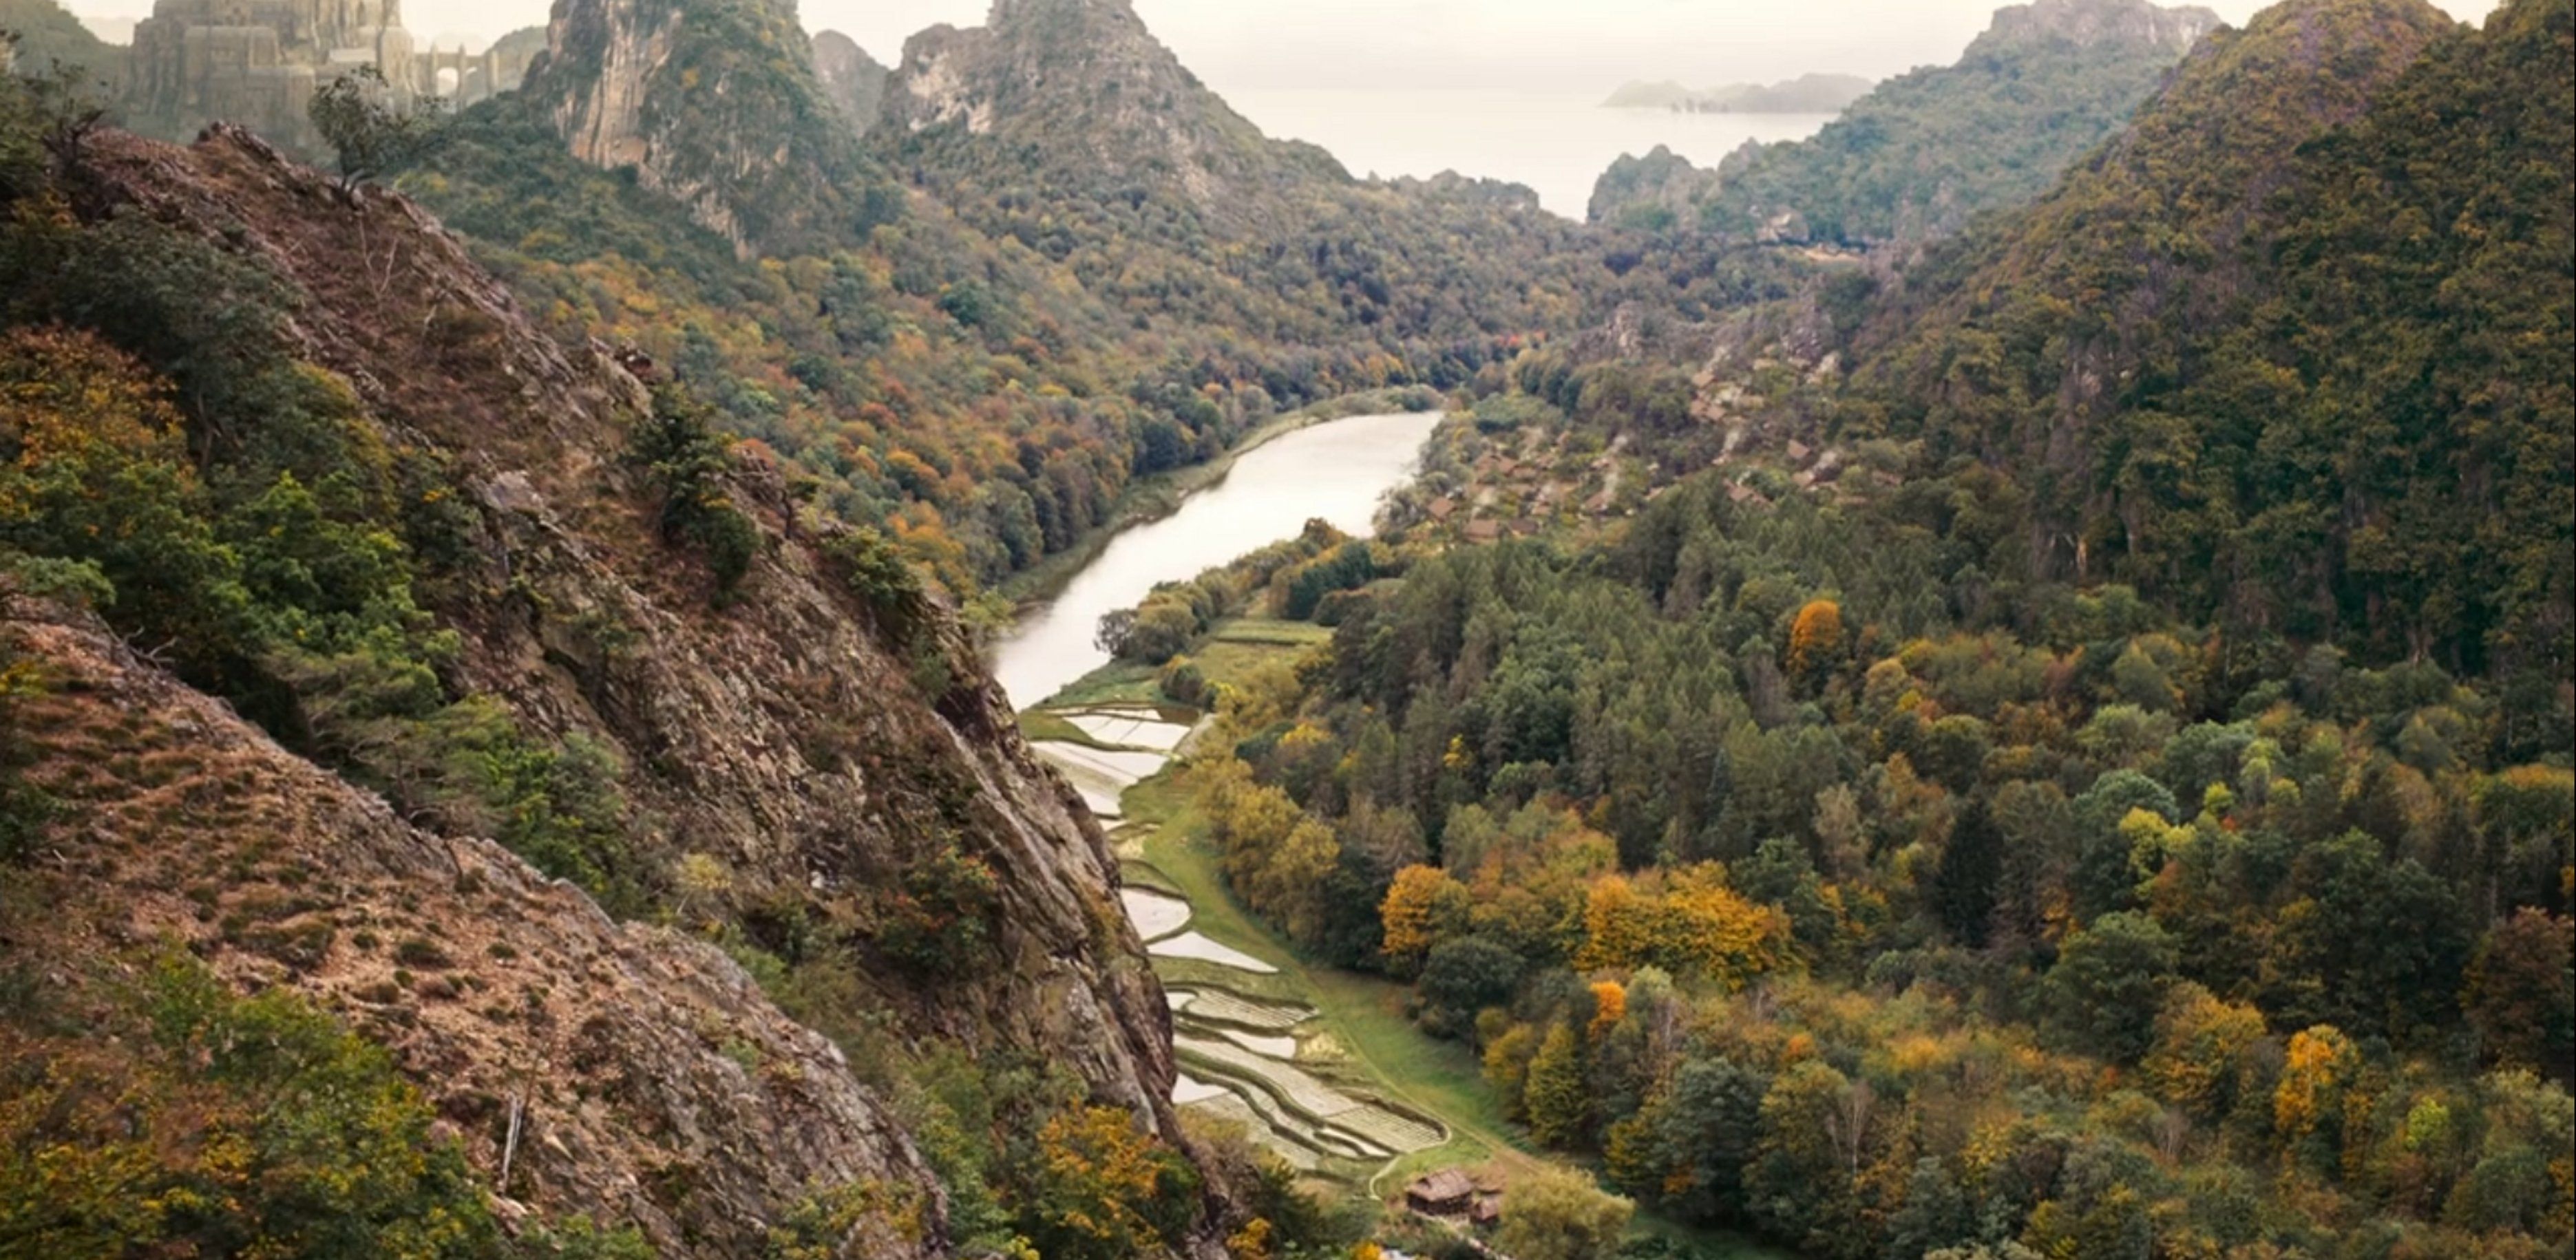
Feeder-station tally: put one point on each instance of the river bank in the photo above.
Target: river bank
(1152, 498)
(1339, 471)
(1321, 1066)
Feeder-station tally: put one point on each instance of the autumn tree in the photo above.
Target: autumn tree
(1107, 1191)
(1619, 925)
(2522, 994)
(1816, 641)
(1506, 1063)
(2308, 1102)
(1711, 930)
(2199, 1060)
(1550, 1213)
(1609, 1006)
(1424, 906)
(1556, 1096)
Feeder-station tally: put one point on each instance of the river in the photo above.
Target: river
(1338, 470)
(1255, 1043)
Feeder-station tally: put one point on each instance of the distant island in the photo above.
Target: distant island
(1806, 94)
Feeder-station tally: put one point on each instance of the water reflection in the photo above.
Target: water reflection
(1337, 471)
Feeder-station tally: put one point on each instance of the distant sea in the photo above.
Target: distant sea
(1556, 144)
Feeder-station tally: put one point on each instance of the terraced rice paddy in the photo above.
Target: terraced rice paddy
(1198, 946)
(1281, 1048)
(1215, 1006)
(1156, 915)
(1187, 1089)
(1101, 775)
(1238, 1042)
(1229, 1106)
(1358, 1126)
(1129, 728)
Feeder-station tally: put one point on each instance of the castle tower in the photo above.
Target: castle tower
(258, 62)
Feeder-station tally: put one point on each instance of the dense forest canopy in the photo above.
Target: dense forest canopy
(2052, 739)
(2130, 815)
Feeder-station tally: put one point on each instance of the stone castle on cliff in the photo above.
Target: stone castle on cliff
(258, 63)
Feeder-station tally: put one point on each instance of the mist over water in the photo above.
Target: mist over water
(1558, 143)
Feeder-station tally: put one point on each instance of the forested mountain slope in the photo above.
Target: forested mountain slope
(48, 34)
(1058, 307)
(321, 467)
(1925, 152)
(1889, 859)
(716, 104)
(2284, 355)
(1064, 125)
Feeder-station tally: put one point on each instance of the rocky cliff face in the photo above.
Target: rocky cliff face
(855, 81)
(642, 1062)
(2088, 23)
(714, 103)
(779, 736)
(1098, 96)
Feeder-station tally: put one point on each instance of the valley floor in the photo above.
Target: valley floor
(1320, 1065)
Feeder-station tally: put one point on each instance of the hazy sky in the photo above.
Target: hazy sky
(1579, 46)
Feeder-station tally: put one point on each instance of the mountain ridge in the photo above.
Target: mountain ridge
(1812, 93)
(1924, 152)
(2151, 263)
(852, 79)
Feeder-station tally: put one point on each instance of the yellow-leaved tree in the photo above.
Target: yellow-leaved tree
(1619, 926)
(1716, 932)
(1423, 906)
(1816, 641)
(2320, 1063)
(2200, 1058)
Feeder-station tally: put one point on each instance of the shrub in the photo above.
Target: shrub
(209, 1124)
(887, 585)
(24, 811)
(687, 459)
(1182, 682)
(939, 919)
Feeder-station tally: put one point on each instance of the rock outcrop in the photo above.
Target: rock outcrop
(716, 104)
(2086, 23)
(855, 81)
(779, 736)
(639, 1062)
(1099, 101)
(1657, 192)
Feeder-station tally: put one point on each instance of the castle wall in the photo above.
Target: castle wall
(258, 62)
